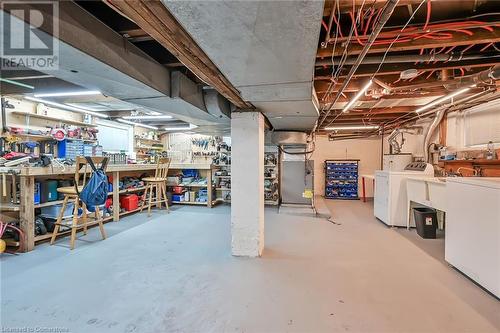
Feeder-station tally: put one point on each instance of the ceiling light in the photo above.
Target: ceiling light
(136, 124)
(443, 99)
(69, 93)
(358, 95)
(191, 126)
(66, 107)
(340, 128)
(17, 83)
(148, 117)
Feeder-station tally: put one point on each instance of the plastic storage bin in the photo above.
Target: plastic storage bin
(36, 198)
(48, 191)
(53, 211)
(426, 222)
(129, 201)
(177, 197)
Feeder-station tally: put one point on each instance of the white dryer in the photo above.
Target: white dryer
(390, 198)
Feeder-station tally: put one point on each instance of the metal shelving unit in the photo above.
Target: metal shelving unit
(271, 178)
(341, 179)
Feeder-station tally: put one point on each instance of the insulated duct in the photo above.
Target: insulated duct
(216, 104)
(288, 138)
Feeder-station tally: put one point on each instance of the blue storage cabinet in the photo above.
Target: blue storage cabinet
(69, 148)
(341, 179)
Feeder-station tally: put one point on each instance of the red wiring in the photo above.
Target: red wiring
(369, 20)
(467, 48)
(484, 48)
(451, 49)
(337, 23)
(324, 25)
(419, 53)
(428, 18)
(462, 71)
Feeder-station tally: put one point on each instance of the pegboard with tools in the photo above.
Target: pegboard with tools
(192, 148)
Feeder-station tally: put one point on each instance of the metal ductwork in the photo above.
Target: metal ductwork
(288, 138)
(273, 74)
(98, 58)
(216, 104)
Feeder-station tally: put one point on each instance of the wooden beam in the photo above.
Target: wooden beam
(458, 39)
(386, 97)
(154, 18)
(346, 5)
(391, 69)
(27, 212)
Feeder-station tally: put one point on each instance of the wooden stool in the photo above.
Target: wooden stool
(159, 182)
(71, 193)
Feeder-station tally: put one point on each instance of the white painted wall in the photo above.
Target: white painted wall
(367, 150)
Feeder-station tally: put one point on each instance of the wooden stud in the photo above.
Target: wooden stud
(209, 188)
(27, 212)
(116, 196)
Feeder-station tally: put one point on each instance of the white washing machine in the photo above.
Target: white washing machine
(390, 199)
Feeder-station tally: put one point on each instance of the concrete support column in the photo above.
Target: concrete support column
(247, 184)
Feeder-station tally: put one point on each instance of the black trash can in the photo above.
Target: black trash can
(426, 222)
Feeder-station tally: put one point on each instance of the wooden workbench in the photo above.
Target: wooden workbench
(27, 177)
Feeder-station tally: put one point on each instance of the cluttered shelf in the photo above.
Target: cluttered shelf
(9, 207)
(148, 140)
(189, 203)
(48, 235)
(49, 137)
(40, 116)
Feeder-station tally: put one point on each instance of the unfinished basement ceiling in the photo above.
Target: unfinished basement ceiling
(95, 57)
(446, 44)
(266, 49)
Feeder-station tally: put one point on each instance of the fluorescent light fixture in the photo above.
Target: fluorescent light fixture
(136, 124)
(340, 128)
(443, 99)
(191, 126)
(69, 93)
(147, 117)
(17, 83)
(358, 95)
(65, 107)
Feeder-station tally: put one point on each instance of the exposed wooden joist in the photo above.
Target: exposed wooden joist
(458, 39)
(136, 35)
(386, 97)
(154, 18)
(346, 5)
(389, 69)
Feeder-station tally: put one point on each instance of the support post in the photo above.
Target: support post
(247, 183)
(116, 196)
(27, 212)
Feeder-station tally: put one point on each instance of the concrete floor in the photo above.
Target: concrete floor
(174, 273)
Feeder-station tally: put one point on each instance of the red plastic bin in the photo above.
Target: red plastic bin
(129, 202)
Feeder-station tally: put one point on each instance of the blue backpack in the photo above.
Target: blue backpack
(95, 191)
